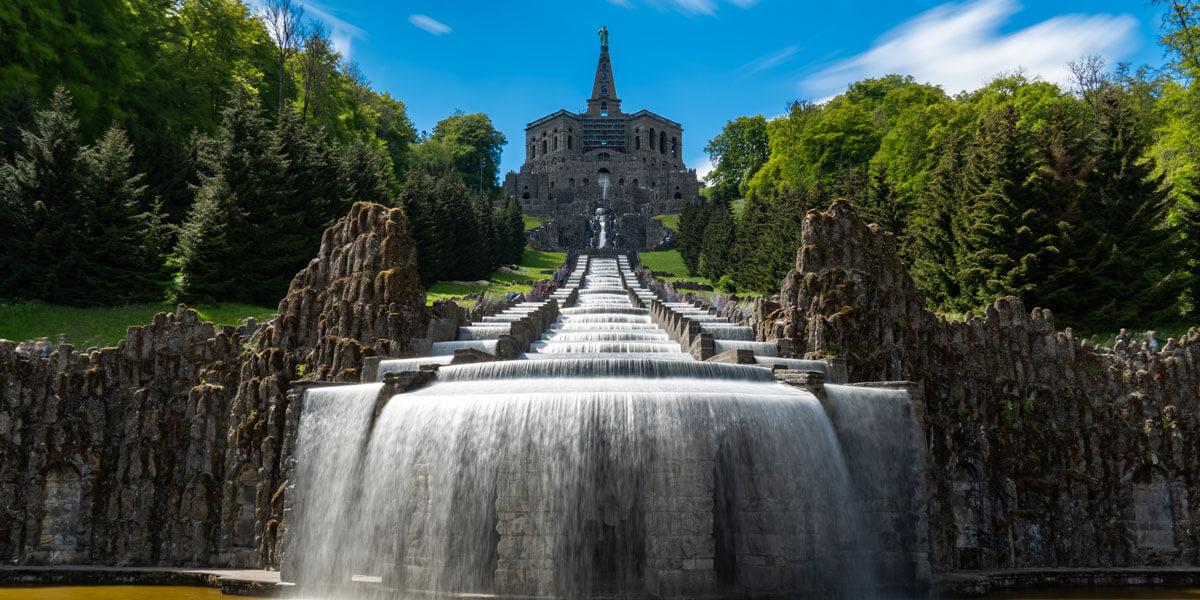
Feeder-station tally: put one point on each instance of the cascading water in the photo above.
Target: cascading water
(614, 464)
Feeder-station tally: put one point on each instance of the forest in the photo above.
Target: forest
(1084, 199)
(194, 150)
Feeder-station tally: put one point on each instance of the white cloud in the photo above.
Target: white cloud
(341, 33)
(428, 24)
(959, 47)
(768, 61)
(703, 166)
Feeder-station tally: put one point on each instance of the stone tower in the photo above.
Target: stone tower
(602, 157)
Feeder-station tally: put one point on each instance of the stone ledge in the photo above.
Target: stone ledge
(234, 582)
(966, 584)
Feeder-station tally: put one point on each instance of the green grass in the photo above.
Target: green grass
(671, 221)
(668, 264)
(105, 325)
(502, 282)
(531, 222)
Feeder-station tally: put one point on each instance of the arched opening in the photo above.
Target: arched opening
(63, 510)
(544, 150)
(621, 182)
(602, 179)
(525, 196)
(637, 142)
(662, 142)
(246, 486)
(635, 182)
(571, 182)
(1153, 522)
(533, 150)
(604, 77)
(651, 138)
(604, 90)
(604, 109)
(585, 181)
(568, 142)
(556, 142)
(674, 148)
(678, 196)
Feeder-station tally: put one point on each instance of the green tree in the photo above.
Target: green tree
(475, 147)
(717, 243)
(42, 251)
(736, 154)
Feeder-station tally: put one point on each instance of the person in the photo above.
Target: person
(23, 349)
(1122, 336)
(1152, 341)
(62, 339)
(43, 348)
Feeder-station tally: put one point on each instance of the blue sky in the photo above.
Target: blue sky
(704, 62)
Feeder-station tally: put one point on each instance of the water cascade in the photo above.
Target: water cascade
(606, 462)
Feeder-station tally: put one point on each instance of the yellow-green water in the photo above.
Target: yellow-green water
(145, 592)
(111, 592)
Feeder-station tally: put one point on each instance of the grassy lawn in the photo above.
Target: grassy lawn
(531, 222)
(501, 282)
(105, 325)
(671, 221)
(668, 264)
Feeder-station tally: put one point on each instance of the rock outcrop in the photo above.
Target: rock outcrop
(166, 449)
(1043, 450)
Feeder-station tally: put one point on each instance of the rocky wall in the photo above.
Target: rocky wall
(166, 449)
(1043, 450)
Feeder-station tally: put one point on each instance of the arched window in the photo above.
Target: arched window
(604, 109)
(568, 142)
(556, 142)
(621, 182)
(637, 142)
(662, 142)
(674, 148)
(532, 150)
(544, 147)
(604, 90)
(571, 182)
(604, 77)
(525, 196)
(585, 181)
(651, 138)
(635, 183)
(678, 196)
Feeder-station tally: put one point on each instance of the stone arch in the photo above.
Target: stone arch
(245, 491)
(651, 138)
(637, 142)
(604, 90)
(544, 146)
(674, 147)
(1153, 519)
(635, 182)
(555, 142)
(967, 509)
(569, 142)
(525, 196)
(533, 150)
(678, 196)
(62, 516)
(662, 142)
(621, 182)
(585, 181)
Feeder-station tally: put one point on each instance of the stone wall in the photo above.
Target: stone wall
(165, 449)
(1043, 450)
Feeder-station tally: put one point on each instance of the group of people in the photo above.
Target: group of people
(1149, 340)
(39, 348)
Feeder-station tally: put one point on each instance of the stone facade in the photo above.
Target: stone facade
(166, 450)
(603, 157)
(1044, 451)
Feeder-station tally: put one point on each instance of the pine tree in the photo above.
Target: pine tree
(693, 218)
(514, 224)
(750, 248)
(243, 195)
(932, 243)
(1127, 260)
(716, 246)
(124, 263)
(1006, 227)
(366, 175)
(41, 251)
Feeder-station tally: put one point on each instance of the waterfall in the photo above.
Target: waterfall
(605, 462)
